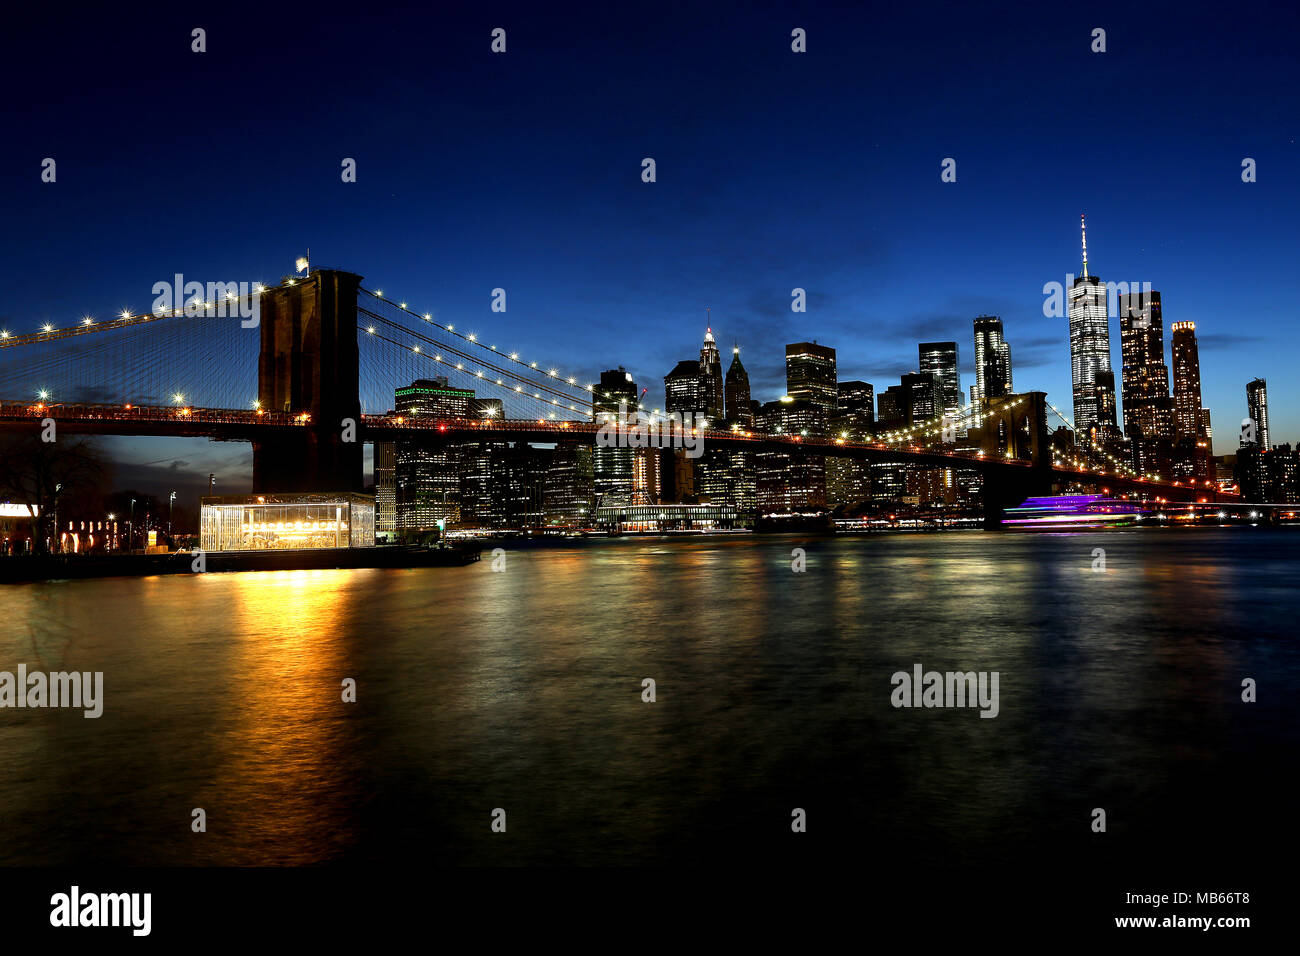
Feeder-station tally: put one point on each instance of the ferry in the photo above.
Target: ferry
(1066, 512)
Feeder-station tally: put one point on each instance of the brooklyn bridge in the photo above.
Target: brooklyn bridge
(312, 381)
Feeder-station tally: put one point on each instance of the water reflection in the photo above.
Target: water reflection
(522, 690)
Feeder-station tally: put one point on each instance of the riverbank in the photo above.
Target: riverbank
(68, 567)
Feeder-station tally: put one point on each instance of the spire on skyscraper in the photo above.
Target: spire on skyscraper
(1083, 226)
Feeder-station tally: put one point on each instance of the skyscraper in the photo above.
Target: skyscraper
(1106, 411)
(427, 481)
(612, 467)
(1187, 380)
(1191, 421)
(1148, 411)
(478, 462)
(924, 394)
(992, 360)
(736, 389)
(848, 480)
(810, 375)
(893, 409)
(1089, 351)
(568, 488)
(856, 407)
(1257, 402)
(940, 360)
(790, 478)
(711, 378)
(385, 488)
(684, 390)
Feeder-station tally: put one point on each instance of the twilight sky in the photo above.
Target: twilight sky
(775, 170)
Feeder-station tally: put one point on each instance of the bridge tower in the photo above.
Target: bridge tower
(309, 363)
(1017, 425)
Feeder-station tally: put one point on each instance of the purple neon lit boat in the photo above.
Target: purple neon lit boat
(1066, 512)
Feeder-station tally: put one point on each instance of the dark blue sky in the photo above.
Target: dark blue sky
(775, 170)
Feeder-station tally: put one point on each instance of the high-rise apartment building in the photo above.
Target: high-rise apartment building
(1257, 403)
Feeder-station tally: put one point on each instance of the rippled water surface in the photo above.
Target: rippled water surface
(522, 690)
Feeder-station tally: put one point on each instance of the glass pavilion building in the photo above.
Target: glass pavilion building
(287, 522)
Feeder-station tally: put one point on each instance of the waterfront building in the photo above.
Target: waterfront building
(286, 522)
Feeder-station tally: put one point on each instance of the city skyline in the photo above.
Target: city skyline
(672, 438)
(888, 254)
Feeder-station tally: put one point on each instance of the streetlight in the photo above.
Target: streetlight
(170, 500)
(55, 540)
(130, 527)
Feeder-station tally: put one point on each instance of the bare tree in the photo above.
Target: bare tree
(38, 474)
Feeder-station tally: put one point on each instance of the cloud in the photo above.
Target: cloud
(1223, 341)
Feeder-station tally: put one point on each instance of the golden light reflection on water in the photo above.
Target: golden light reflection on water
(523, 688)
(284, 729)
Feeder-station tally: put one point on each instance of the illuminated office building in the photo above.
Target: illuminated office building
(1090, 355)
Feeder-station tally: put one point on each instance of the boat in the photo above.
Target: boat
(1067, 512)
